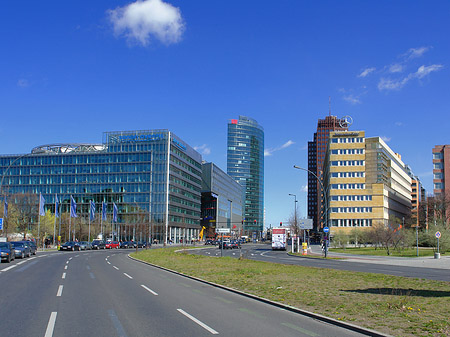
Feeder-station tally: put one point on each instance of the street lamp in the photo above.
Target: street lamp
(325, 200)
(295, 219)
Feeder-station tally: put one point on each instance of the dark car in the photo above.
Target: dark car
(209, 242)
(142, 244)
(7, 251)
(32, 245)
(128, 244)
(21, 249)
(98, 244)
(70, 245)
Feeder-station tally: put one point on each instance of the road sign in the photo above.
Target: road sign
(1, 223)
(438, 234)
(223, 230)
(305, 224)
(326, 229)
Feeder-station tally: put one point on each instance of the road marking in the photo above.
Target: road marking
(71, 258)
(106, 259)
(108, 262)
(307, 332)
(203, 325)
(65, 267)
(21, 262)
(27, 266)
(10, 267)
(77, 255)
(51, 324)
(127, 275)
(115, 268)
(149, 290)
(117, 325)
(31, 258)
(92, 276)
(67, 262)
(63, 275)
(88, 267)
(60, 289)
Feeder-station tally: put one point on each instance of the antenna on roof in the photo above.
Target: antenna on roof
(329, 105)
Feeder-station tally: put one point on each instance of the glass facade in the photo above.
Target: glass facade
(150, 175)
(245, 163)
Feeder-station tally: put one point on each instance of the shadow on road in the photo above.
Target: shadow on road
(401, 292)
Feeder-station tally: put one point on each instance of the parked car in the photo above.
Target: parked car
(112, 245)
(98, 244)
(21, 250)
(142, 244)
(7, 251)
(209, 242)
(85, 245)
(33, 246)
(128, 244)
(71, 245)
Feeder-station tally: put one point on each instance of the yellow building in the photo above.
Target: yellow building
(365, 182)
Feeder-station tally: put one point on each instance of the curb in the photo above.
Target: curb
(349, 326)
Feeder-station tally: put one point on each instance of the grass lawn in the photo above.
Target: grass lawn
(398, 306)
(409, 252)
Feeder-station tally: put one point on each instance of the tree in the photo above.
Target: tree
(392, 236)
(23, 213)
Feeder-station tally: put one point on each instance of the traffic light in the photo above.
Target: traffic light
(254, 221)
(281, 224)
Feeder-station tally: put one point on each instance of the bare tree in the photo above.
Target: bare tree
(23, 212)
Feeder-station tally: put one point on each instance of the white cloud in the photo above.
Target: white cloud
(386, 139)
(366, 72)
(424, 71)
(144, 20)
(270, 151)
(304, 188)
(396, 68)
(352, 99)
(398, 124)
(390, 84)
(203, 149)
(23, 83)
(415, 52)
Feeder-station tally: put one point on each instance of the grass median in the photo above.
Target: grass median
(398, 306)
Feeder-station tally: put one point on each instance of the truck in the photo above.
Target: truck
(279, 239)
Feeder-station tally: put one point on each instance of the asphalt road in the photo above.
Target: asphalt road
(104, 293)
(263, 252)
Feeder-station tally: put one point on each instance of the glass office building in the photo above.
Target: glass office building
(153, 177)
(245, 163)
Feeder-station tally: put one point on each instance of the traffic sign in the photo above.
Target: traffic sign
(305, 224)
(223, 230)
(1, 223)
(438, 234)
(326, 229)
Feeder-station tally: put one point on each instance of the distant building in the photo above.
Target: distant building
(366, 182)
(221, 201)
(441, 170)
(316, 156)
(245, 163)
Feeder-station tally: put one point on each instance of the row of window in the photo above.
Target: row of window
(348, 174)
(348, 140)
(347, 151)
(347, 163)
(438, 175)
(438, 186)
(351, 209)
(351, 222)
(348, 186)
(438, 166)
(351, 198)
(438, 155)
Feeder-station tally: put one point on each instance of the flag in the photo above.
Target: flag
(104, 207)
(115, 210)
(73, 208)
(41, 205)
(56, 206)
(5, 209)
(92, 210)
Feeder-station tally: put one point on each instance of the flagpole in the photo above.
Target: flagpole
(54, 226)
(101, 222)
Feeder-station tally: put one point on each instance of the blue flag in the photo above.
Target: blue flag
(104, 206)
(41, 205)
(5, 209)
(73, 208)
(92, 210)
(115, 211)
(56, 206)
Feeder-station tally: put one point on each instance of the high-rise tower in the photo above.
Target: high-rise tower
(245, 163)
(316, 155)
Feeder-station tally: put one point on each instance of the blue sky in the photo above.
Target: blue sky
(73, 69)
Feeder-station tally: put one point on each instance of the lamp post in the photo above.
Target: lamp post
(295, 219)
(325, 200)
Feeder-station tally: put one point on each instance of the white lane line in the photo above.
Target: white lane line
(128, 276)
(149, 290)
(106, 259)
(31, 258)
(108, 262)
(203, 325)
(63, 275)
(67, 262)
(51, 324)
(65, 267)
(71, 258)
(77, 255)
(10, 267)
(115, 268)
(21, 262)
(60, 289)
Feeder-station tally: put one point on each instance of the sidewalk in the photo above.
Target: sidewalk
(420, 262)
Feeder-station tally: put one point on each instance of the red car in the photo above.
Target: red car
(112, 244)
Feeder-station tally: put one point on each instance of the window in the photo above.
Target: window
(438, 155)
(438, 166)
(438, 186)
(438, 175)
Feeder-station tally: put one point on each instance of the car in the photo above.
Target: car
(21, 250)
(142, 244)
(112, 245)
(33, 246)
(7, 251)
(209, 242)
(85, 245)
(235, 244)
(70, 245)
(98, 244)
